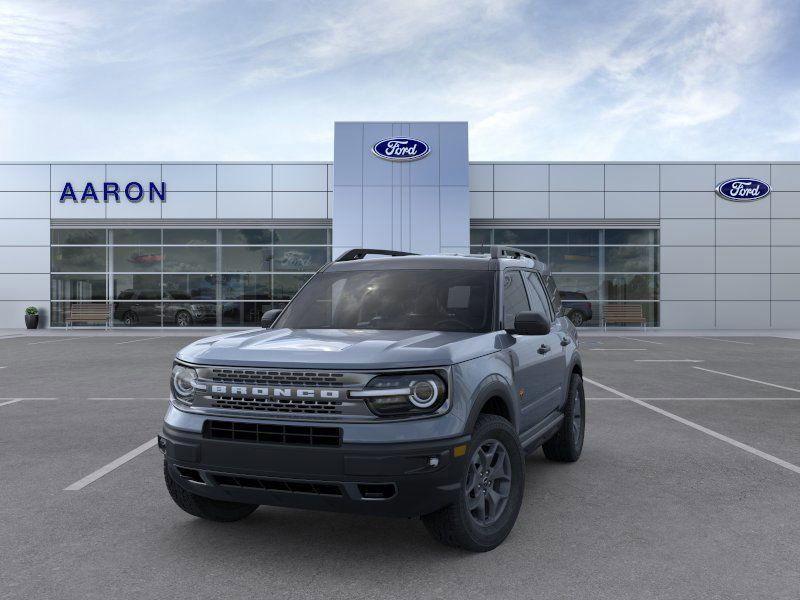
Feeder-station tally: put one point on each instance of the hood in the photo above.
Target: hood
(339, 348)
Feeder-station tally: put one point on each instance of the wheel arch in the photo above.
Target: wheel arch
(494, 397)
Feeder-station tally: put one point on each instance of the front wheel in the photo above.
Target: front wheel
(566, 445)
(491, 490)
(183, 319)
(206, 508)
(577, 318)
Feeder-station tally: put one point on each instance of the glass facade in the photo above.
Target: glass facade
(182, 277)
(592, 267)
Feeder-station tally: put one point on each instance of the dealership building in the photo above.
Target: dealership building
(217, 244)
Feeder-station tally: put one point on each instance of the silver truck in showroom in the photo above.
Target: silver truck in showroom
(392, 384)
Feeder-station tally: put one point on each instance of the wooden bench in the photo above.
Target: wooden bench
(623, 314)
(87, 312)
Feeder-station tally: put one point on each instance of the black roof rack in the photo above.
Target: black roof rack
(509, 252)
(359, 253)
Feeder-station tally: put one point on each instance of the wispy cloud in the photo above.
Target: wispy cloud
(217, 80)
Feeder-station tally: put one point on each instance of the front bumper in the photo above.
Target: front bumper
(405, 479)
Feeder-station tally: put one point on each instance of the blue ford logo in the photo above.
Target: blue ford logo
(401, 148)
(743, 190)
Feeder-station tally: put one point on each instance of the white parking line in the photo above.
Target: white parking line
(680, 360)
(723, 438)
(6, 401)
(4, 367)
(92, 477)
(617, 349)
(699, 399)
(723, 340)
(164, 398)
(639, 340)
(775, 385)
(64, 339)
(141, 340)
(11, 402)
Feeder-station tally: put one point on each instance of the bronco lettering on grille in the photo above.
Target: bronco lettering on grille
(274, 392)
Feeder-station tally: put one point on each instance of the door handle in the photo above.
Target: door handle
(543, 349)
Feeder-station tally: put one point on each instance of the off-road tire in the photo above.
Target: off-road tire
(454, 525)
(206, 508)
(567, 444)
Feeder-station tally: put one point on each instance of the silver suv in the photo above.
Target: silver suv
(401, 385)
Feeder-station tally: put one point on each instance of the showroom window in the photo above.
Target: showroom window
(592, 267)
(180, 277)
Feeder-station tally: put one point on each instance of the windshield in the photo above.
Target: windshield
(436, 300)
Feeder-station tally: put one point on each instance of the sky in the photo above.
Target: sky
(260, 81)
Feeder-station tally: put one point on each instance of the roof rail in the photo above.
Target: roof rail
(510, 252)
(359, 253)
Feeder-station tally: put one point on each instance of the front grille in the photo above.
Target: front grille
(270, 377)
(268, 433)
(283, 405)
(279, 485)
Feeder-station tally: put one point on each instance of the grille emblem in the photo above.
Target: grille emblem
(275, 392)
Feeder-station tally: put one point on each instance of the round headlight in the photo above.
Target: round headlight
(424, 393)
(183, 379)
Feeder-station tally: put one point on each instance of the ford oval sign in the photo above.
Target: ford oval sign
(401, 149)
(743, 190)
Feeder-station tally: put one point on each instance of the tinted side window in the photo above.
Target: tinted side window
(539, 302)
(515, 298)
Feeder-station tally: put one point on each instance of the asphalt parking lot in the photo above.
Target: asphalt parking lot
(689, 487)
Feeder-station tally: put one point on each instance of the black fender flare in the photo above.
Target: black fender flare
(494, 386)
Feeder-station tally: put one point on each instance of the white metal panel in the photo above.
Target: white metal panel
(576, 178)
(24, 178)
(244, 205)
(687, 178)
(743, 232)
(189, 178)
(481, 205)
(786, 259)
(19, 286)
(299, 205)
(454, 210)
(520, 178)
(300, 178)
(687, 315)
(348, 160)
(33, 259)
(786, 286)
(378, 216)
(78, 175)
(453, 154)
(785, 205)
(743, 286)
(135, 210)
(190, 205)
(785, 315)
(745, 259)
(24, 205)
(631, 205)
(425, 171)
(24, 232)
(739, 171)
(687, 286)
(377, 171)
(743, 315)
(481, 178)
(687, 205)
(76, 210)
(785, 232)
(632, 178)
(330, 178)
(759, 209)
(244, 178)
(576, 205)
(786, 178)
(12, 312)
(520, 205)
(347, 207)
(143, 173)
(687, 259)
(424, 219)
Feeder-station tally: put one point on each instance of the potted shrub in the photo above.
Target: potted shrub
(31, 317)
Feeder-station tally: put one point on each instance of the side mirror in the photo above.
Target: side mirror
(531, 323)
(269, 317)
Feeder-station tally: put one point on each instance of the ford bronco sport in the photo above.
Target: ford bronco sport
(402, 385)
